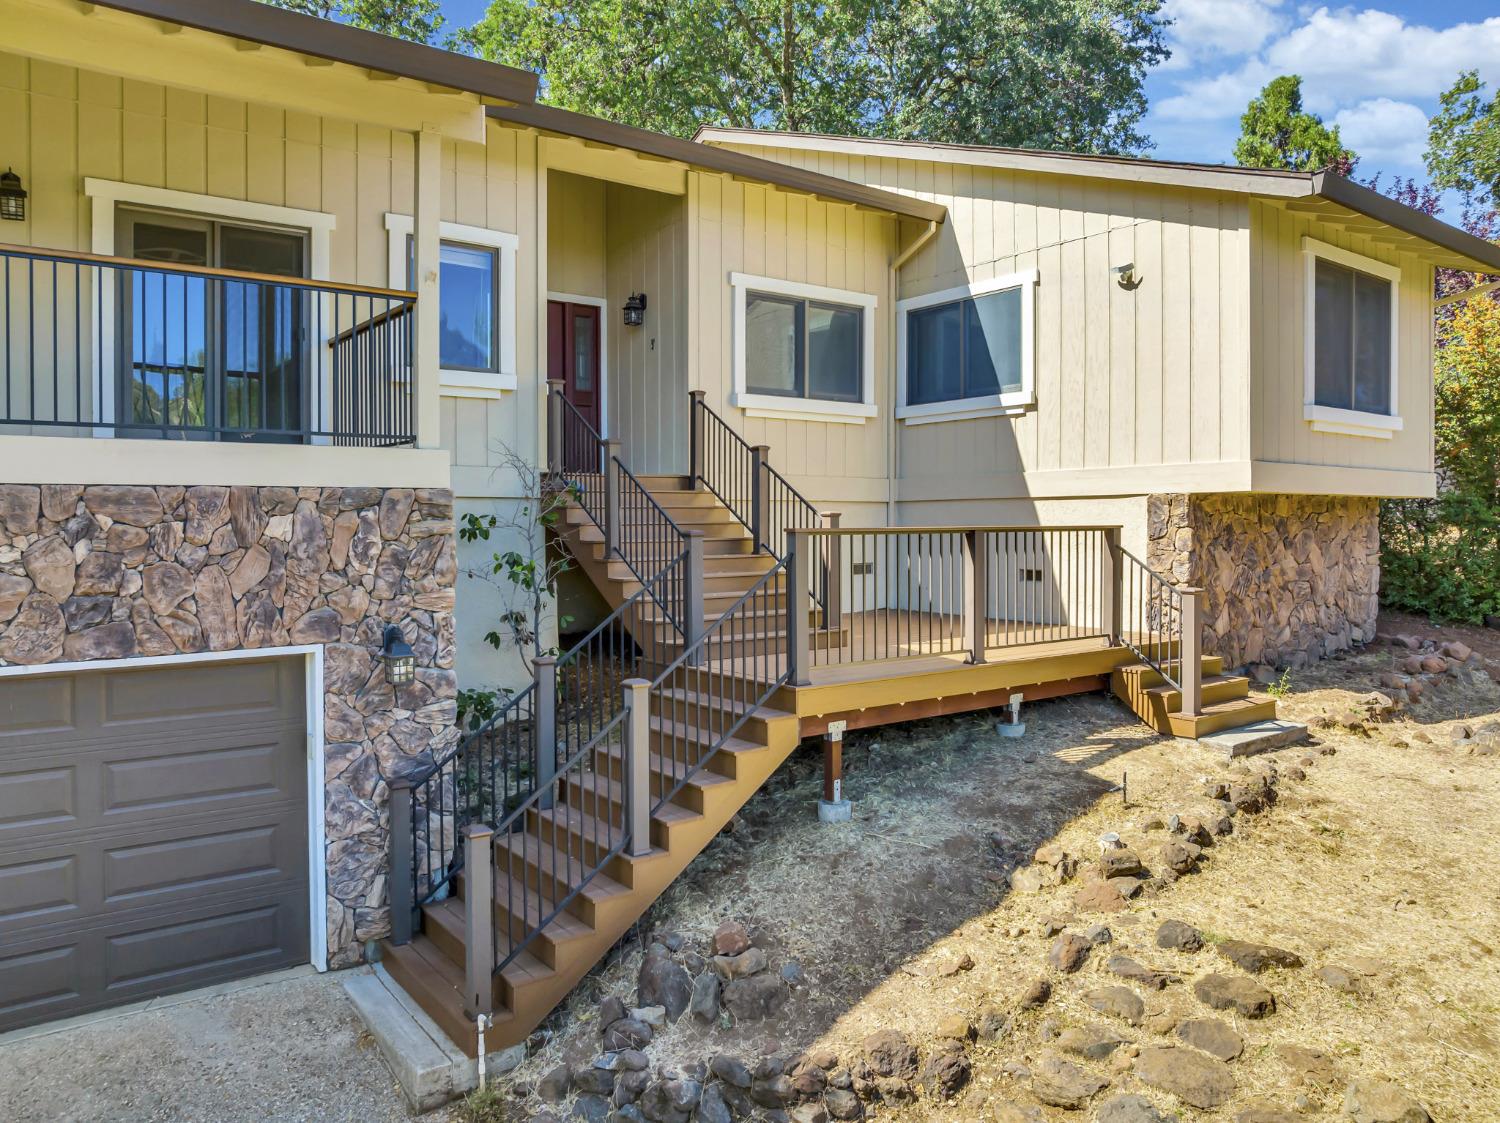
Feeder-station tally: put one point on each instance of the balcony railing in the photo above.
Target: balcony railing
(106, 346)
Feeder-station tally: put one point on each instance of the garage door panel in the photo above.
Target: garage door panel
(37, 705)
(143, 851)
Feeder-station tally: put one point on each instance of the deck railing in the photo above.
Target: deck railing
(1161, 624)
(97, 346)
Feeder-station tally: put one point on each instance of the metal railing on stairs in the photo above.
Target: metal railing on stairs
(1162, 624)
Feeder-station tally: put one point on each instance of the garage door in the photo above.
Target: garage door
(153, 832)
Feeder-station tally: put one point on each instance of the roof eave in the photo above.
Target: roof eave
(1468, 250)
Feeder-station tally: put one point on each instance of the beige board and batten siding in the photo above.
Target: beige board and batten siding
(1154, 379)
(1290, 455)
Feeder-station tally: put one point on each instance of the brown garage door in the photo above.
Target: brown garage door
(153, 832)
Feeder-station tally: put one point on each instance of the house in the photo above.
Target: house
(852, 432)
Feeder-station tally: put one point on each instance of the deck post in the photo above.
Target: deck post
(833, 583)
(479, 920)
(695, 438)
(400, 877)
(545, 727)
(610, 450)
(555, 426)
(760, 496)
(637, 767)
(976, 586)
(1111, 596)
(692, 593)
(798, 618)
(1191, 651)
(833, 807)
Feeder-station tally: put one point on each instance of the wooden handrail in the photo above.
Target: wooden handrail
(103, 260)
(370, 324)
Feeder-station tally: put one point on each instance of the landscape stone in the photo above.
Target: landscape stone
(1195, 1078)
(1213, 1036)
(704, 1002)
(1035, 996)
(730, 938)
(945, 1073)
(1342, 979)
(1265, 1113)
(1176, 934)
(730, 1070)
(1121, 1002)
(841, 1104)
(713, 1109)
(1255, 958)
(1368, 1100)
(1225, 992)
(890, 1053)
(1093, 1041)
(754, 999)
(1069, 951)
(662, 982)
(750, 962)
(1098, 896)
(1127, 968)
(1130, 1109)
(1061, 1083)
(1120, 863)
(554, 1084)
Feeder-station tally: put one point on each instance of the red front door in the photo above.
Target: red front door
(573, 355)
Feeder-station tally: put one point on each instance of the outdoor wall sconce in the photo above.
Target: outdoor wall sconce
(635, 310)
(399, 659)
(1127, 276)
(12, 197)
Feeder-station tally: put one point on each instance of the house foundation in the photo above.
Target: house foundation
(1287, 579)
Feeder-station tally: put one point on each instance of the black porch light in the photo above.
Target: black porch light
(12, 197)
(635, 310)
(399, 659)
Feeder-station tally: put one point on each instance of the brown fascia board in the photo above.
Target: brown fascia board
(1372, 204)
(255, 22)
(567, 123)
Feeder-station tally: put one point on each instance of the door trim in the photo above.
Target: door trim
(602, 304)
(317, 881)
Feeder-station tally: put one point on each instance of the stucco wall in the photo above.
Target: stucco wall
(110, 571)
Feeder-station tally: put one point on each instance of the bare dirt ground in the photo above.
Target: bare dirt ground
(1375, 859)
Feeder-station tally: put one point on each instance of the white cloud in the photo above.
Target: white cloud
(1204, 28)
(1384, 132)
(1214, 96)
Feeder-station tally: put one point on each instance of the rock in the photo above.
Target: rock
(136, 505)
(704, 1001)
(626, 1033)
(1255, 958)
(1342, 979)
(1093, 1041)
(13, 591)
(1120, 863)
(36, 633)
(1062, 1083)
(1028, 879)
(1433, 664)
(945, 1073)
(1014, 1113)
(1261, 1112)
(86, 612)
(1098, 934)
(954, 1027)
(772, 1091)
(1194, 1078)
(730, 1070)
(1121, 1002)
(841, 1104)
(1035, 996)
(1068, 952)
(730, 938)
(1098, 896)
(754, 999)
(808, 1080)
(554, 1085)
(662, 982)
(750, 962)
(108, 641)
(793, 975)
(50, 564)
(165, 586)
(1368, 1100)
(713, 1109)
(1176, 934)
(1130, 1109)
(19, 504)
(1312, 1066)
(1127, 968)
(890, 1053)
(653, 1016)
(1212, 1036)
(589, 1108)
(1180, 857)
(993, 1023)
(100, 573)
(1225, 992)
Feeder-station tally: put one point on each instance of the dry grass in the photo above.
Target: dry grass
(1383, 852)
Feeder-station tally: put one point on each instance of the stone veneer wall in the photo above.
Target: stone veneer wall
(1288, 578)
(113, 571)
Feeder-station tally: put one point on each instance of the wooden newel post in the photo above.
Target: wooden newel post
(798, 618)
(545, 728)
(637, 773)
(696, 419)
(402, 872)
(1111, 595)
(555, 463)
(976, 587)
(611, 453)
(760, 496)
(1192, 650)
(479, 920)
(833, 586)
(692, 593)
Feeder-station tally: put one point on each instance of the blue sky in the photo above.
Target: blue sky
(1374, 68)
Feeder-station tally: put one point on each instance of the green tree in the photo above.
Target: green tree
(1030, 73)
(1276, 132)
(417, 20)
(1463, 141)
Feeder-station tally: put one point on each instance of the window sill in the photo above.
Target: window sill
(1351, 422)
(1003, 405)
(803, 409)
(474, 384)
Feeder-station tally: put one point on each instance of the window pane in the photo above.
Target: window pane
(467, 309)
(932, 354)
(772, 340)
(833, 352)
(583, 352)
(993, 323)
(1333, 317)
(1372, 343)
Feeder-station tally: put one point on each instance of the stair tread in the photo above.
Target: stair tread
(1232, 704)
(1208, 680)
(586, 826)
(663, 766)
(667, 813)
(565, 926)
(568, 868)
(697, 735)
(738, 706)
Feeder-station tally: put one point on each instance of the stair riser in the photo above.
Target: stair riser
(1147, 678)
(711, 718)
(584, 846)
(441, 1007)
(1204, 724)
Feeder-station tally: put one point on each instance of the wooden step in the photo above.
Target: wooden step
(683, 700)
(436, 984)
(1223, 715)
(590, 838)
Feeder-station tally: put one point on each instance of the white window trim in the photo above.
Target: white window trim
(467, 383)
(993, 405)
(803, 409)
(603, 305)
(1330, 419)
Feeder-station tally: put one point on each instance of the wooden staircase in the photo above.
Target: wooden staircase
(1226, 700)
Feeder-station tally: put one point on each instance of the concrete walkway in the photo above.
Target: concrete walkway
(285, 1047)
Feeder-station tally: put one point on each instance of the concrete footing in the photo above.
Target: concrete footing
(835, 811)
(1258, 737)
(1011, 729)
(430, 1069)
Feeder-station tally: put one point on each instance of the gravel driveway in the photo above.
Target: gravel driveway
(289, 1047)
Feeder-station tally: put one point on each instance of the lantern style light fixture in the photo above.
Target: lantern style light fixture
(635, 310)
(12, 197)
(399, 659)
